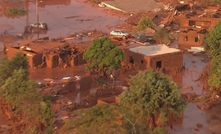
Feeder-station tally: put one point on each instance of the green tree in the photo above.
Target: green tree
(105, 119)
(7, 67)
(162, 36)
(144, 23)
(153, 98)
(102, 56)
(100, 119)
(27, 102)
(213, 47)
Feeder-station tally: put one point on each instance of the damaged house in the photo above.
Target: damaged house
(48, 54)
(189, 38)
(154, 57)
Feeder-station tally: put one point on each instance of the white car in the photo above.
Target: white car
(119, 33)
(40, 25)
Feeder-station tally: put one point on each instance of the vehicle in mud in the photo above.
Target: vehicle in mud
(119, 34)
(144, 38)
(40, 25)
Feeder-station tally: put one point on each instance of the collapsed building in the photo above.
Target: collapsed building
(48, 54)
(195, 24)
(154, 57)
(190, 37)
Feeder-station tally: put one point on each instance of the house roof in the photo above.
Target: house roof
(39, 47)
(154, 50)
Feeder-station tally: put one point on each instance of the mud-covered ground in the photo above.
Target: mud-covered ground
(72, 16)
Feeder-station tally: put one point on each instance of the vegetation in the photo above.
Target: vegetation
(144, 23)
(26, 102)
(15, 11)
(153, 98)
(162, 36)
(100, 119)
(213, 47)
(102, 56)
(7, 67)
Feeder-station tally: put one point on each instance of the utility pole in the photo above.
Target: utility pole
(37, 15)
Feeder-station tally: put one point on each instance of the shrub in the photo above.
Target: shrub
(15, 11)
(144, 23)
(162, 36)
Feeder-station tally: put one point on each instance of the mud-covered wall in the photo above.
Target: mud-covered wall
(52, 61)
(166, 61)
(169, 62)
(77, 60)
(136, 60)
(203, 22)
(191, 38)
(34, 60)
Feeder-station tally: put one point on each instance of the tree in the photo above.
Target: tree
(7, 67)
(24, 99)
(102, 56)
(105, 119)
(27, 103)
(162, 36)
(213, 47)
(100, 119)
(153, 98)
(144, 23)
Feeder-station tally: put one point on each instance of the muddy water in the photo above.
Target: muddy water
(62, 18)
(192, 115)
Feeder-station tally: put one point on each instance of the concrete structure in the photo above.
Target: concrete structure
(155, 57)
(133, 6)
(189, 38)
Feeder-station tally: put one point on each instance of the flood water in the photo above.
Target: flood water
(63, 18)
(70, 16)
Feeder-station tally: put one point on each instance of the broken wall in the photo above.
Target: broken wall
(77, 59)
(52, 60)
(191, 38)
(207, 23)
(34, 60)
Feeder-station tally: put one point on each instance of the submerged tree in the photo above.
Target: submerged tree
(102, 56)
(153, 98)
(213, 47)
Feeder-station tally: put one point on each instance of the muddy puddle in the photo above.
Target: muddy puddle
(63, 18)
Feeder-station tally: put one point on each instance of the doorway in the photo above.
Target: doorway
(158, 64)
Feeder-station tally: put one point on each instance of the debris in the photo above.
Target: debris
(199, 125)
(196, 50)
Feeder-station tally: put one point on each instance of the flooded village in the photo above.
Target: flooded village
(54, 36)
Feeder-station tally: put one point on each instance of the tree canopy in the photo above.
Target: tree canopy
(103, 55)
(7, 67)
(162, 36)
(26, 102)
(213, 47)
(152, 97)
(152, 100)
(144, 23)
(100, 119)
